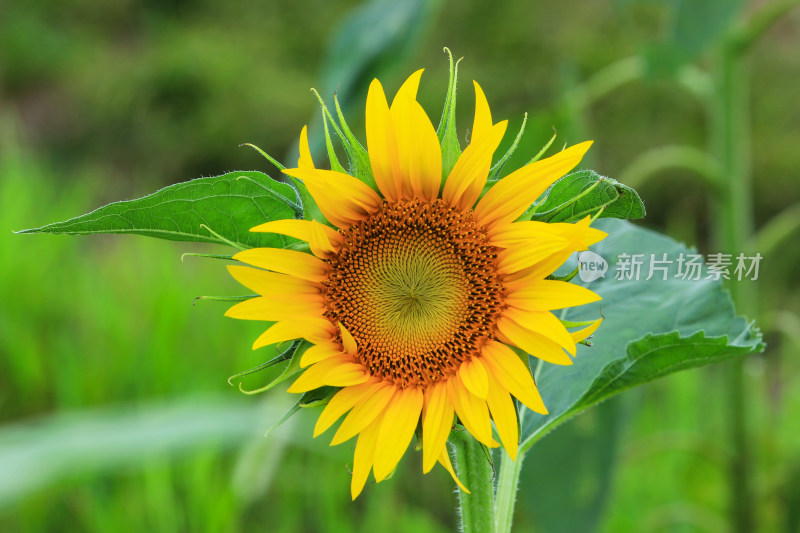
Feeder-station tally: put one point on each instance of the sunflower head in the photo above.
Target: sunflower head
(421, 284)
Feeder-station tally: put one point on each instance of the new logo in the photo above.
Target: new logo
(592, 266)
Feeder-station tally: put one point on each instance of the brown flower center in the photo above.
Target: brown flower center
(416, 285)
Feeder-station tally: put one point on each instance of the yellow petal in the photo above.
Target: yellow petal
(521, 256)
(592, 236)
(543, 323)
(292, 262)
(305, 160)
(504, 415)
(579, 233)
(513, 375)
(348, 342)
(473, 375)
(266, 283)
(362, 459)
(581, 334)
(336, 371)
(465, 182)
(551, 263)
(575, 234)
(315, 330)
(319, 241)
(534, 343)
(381, 144)
(551, 294)
(343, 401)
(364, 414)
(409, 88)
(398, 423)
(510, 197)
(273, 309)
(437, 420)
(297, 228)
(482, 123)
(342, 198)
(526, 232)
(472, 411)
(419, 155)
(319, 352)
(444, 459)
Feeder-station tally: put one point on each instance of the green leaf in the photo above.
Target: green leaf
(585, 193)
(228, 205)
(657, 355)
(578, 461)
(651, 329)
(448, 136)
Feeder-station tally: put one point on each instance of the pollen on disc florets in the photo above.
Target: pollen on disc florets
(416, 284)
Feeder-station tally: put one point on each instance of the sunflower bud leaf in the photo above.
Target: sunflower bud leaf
(448, 137)
(291, 369)
(313, 398)
(317, 397)
(360, 166)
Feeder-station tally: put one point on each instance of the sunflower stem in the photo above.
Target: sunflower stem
(476, 508)
(506, 493)
(734, 223)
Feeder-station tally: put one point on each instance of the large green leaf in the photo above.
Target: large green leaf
(229, 205)
(651, 328)
(585, 193)
(578, 461)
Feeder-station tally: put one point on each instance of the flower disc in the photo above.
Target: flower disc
(416, 285)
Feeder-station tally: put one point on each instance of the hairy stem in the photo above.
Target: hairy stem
(473, 466)
(506, 494)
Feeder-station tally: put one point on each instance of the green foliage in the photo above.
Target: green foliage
(693, 27)
(227, 205)
(288, 370)
(585, 193)
(376, 36)
(652, 328)
(578, 461)
(104, 439)
(448, 136)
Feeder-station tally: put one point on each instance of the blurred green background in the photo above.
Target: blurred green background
(114, 409)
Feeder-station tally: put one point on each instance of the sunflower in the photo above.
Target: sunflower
(419, 289)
